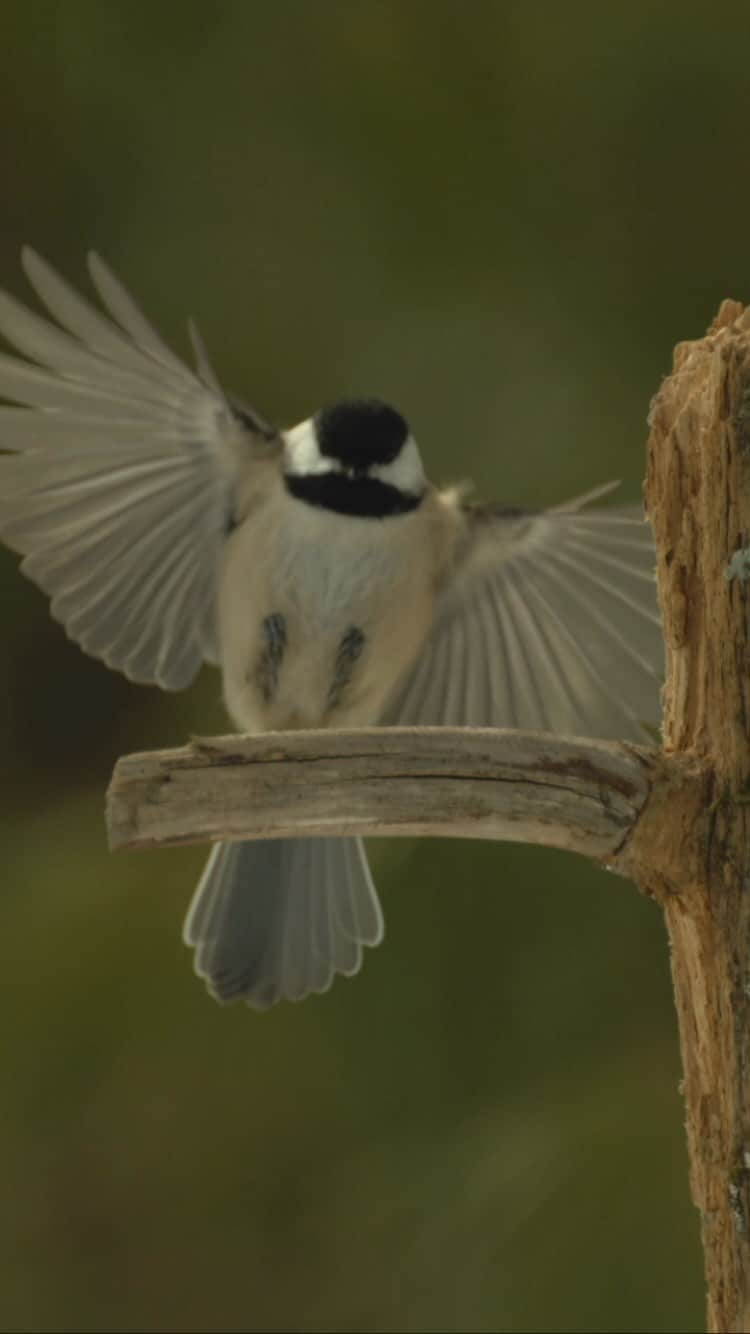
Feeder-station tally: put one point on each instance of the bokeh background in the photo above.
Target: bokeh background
(500, 216)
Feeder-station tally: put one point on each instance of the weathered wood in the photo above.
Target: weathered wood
(466, 783)
(698, 497)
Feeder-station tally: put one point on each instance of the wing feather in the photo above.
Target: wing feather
(119, 476)
(547, 622)
(98, 332)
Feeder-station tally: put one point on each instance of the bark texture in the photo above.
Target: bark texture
(455, 782)
(698, 499)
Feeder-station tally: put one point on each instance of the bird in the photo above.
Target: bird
(334, 585)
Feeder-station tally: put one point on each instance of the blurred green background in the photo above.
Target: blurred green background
(501, 217)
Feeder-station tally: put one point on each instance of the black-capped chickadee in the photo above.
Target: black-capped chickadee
(331, 581)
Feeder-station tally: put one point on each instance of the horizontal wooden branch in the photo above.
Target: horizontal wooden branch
(581, 795)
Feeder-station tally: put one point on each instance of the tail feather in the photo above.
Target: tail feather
(277, 919)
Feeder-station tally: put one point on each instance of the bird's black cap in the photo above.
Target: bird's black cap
(360, 432)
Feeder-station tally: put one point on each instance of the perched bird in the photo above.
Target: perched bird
(333, 584)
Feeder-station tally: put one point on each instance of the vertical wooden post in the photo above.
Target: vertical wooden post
(698, 500)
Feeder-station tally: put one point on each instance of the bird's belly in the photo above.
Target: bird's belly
(316, 634)
(313, 685)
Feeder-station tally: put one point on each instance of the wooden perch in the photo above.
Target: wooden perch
(465, 783)
(677, 820)
(602, 799)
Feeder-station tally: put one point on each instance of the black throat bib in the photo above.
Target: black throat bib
(363, 497)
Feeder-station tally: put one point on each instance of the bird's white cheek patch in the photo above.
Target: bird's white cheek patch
(405, 472)
(303, 457)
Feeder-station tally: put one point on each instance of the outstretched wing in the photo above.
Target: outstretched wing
(547, 622)
(120, 484)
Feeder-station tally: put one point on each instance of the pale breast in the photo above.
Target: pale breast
(319, 614)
